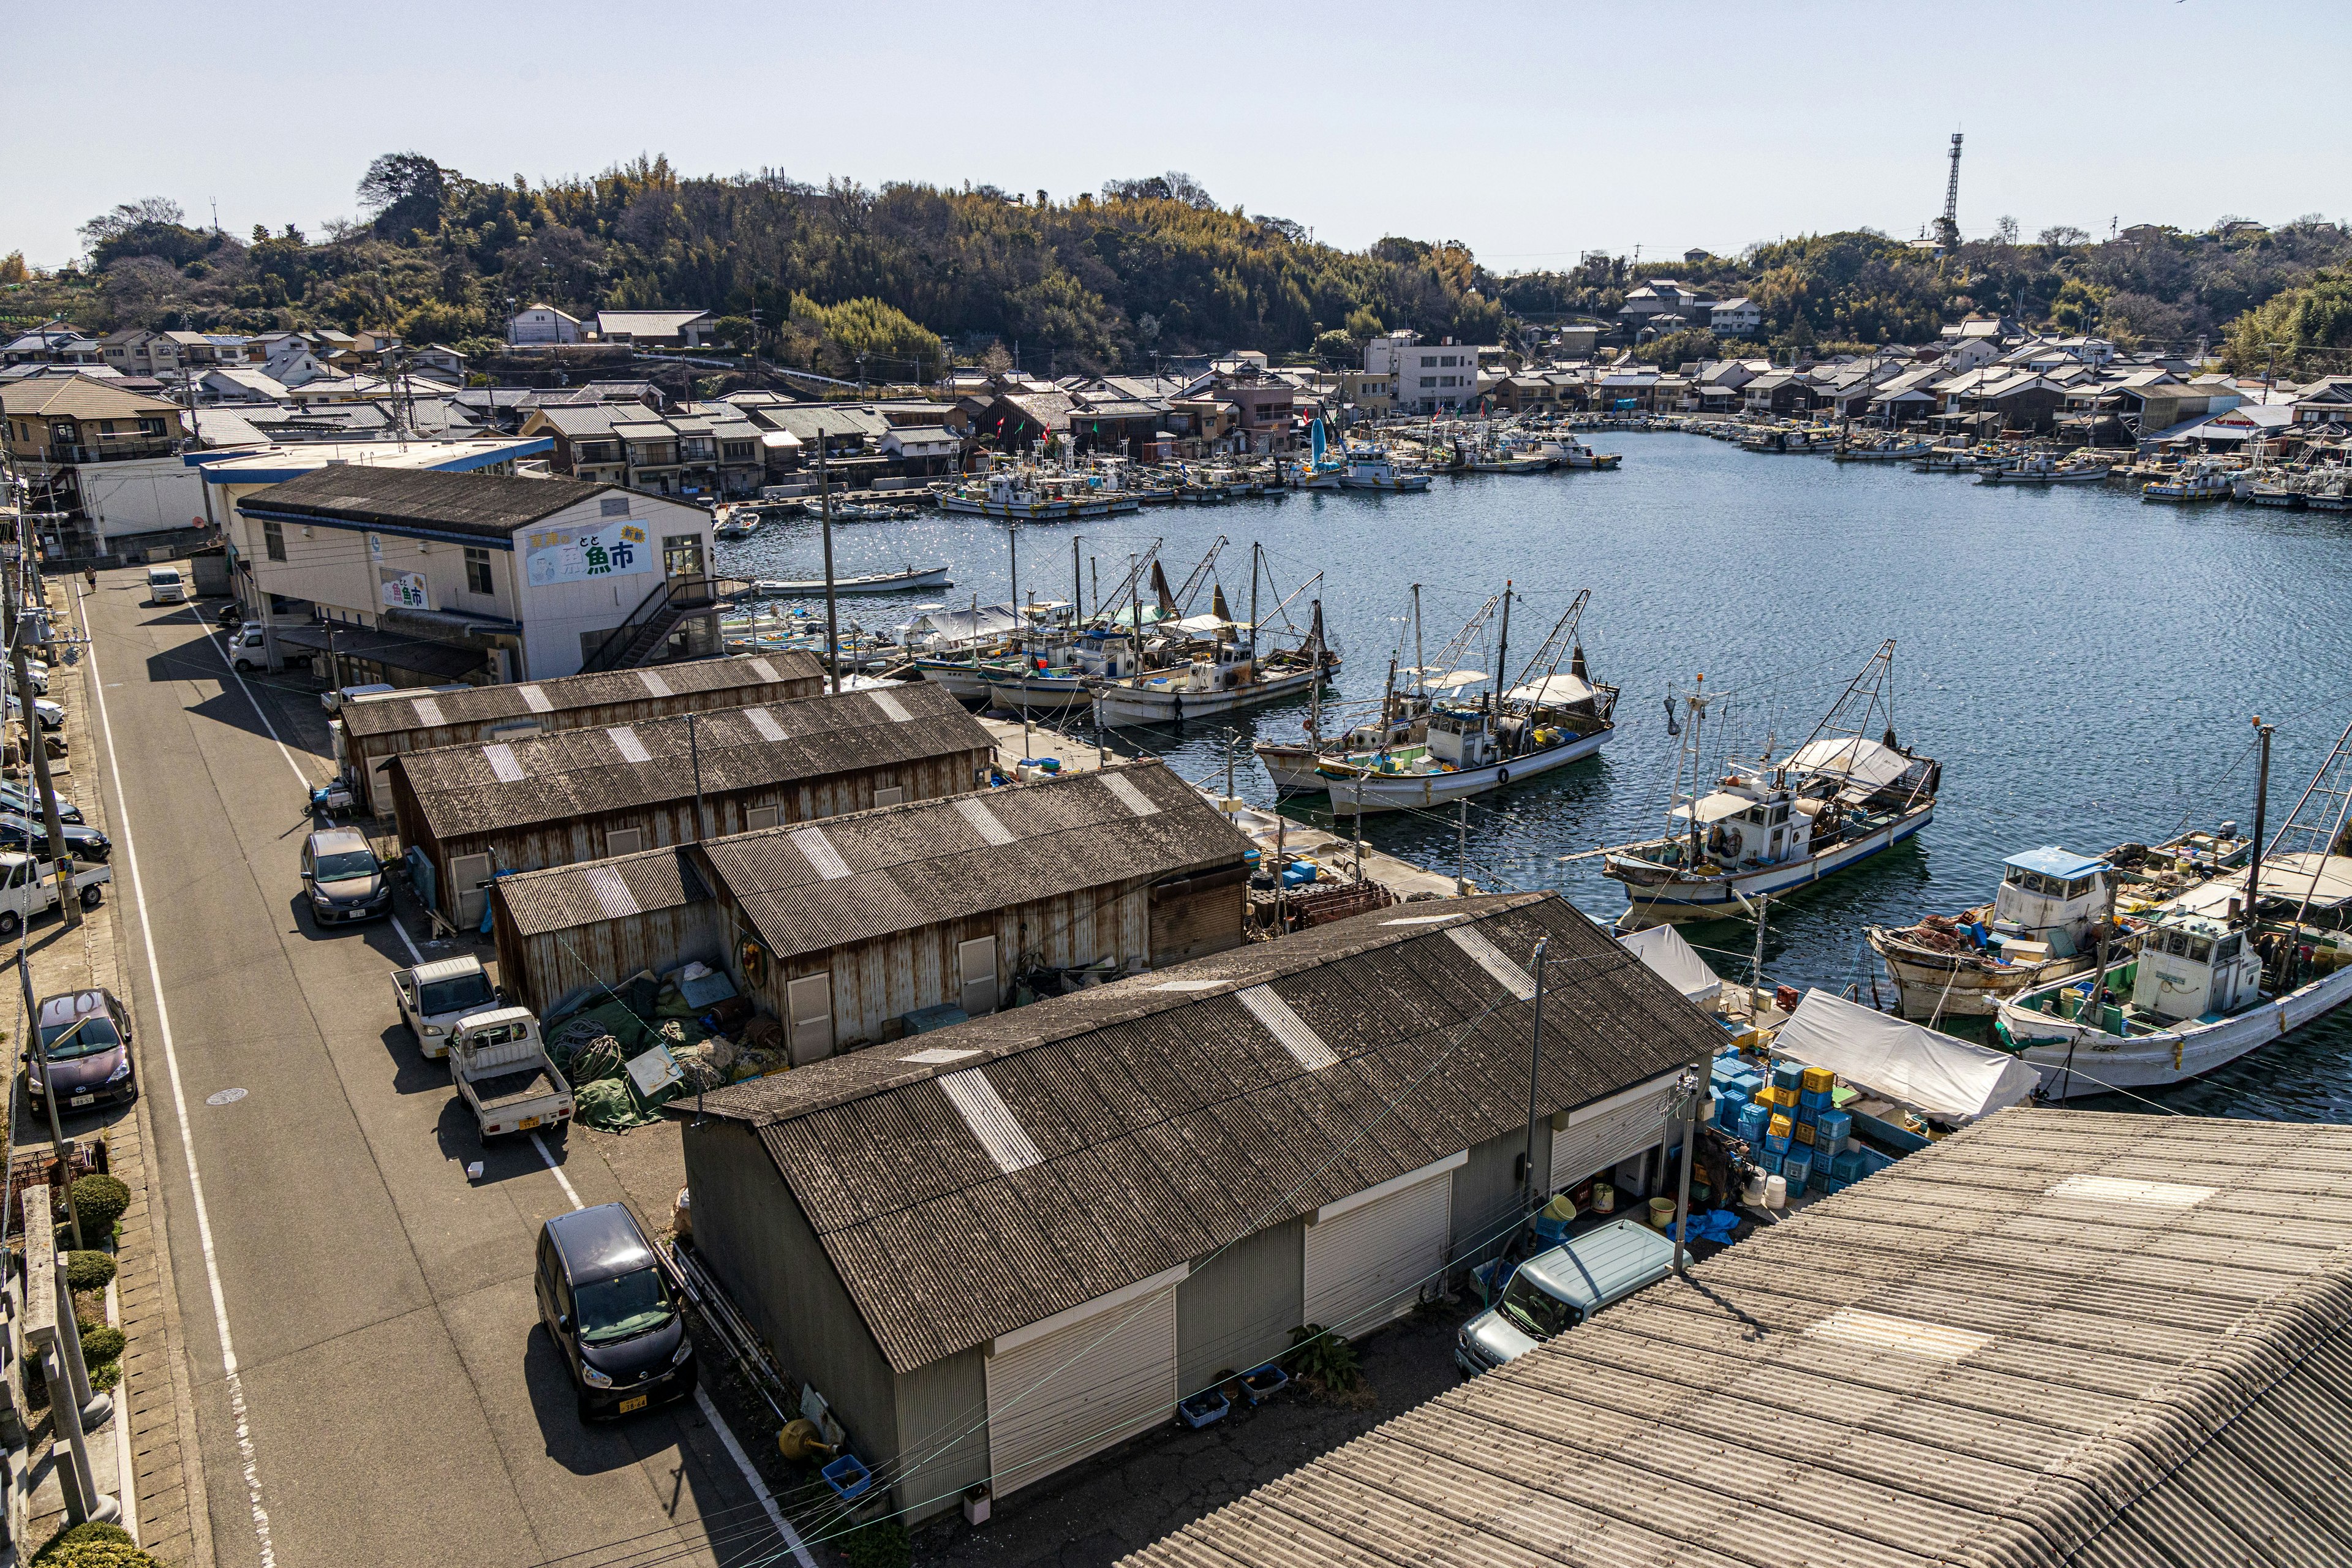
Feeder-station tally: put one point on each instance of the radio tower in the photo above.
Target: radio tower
(1948, 228)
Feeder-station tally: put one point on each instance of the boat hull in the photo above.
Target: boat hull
(1934, 985)
(1126, 705)
(1681, 899)
(1398, 792)
(878, 583)
(1039, 511)
(960, 681)
(2076, 1060)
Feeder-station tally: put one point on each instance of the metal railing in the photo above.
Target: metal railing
(675, 599)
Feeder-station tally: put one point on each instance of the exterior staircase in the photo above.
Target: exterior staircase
(636, 640)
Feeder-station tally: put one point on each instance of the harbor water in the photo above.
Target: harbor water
(2085, 664)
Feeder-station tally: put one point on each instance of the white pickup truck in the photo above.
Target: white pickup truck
(433, 998)
(503, 1072)
(29, 887)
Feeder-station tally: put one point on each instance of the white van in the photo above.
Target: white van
(165, 585)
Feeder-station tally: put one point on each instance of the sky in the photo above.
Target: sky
(1530, 133)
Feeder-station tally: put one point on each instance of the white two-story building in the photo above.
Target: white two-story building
(1427, 378)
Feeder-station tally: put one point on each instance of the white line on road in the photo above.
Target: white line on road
(709, 1411)
(229, 1373)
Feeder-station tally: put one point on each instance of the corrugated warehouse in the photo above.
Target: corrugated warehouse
(474, 811)
(372, 730)
(2056, 1337)
(843, 930)
(1006, 1245)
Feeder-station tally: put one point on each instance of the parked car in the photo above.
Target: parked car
(27, 803)
(28, 836)
(166, 585)
(1553, 1291)
(35, 671)
(343, 879)
(29, 887)
(435, 998)
(333, 701)
(52, 716)
(606, 1299)
(248, 647)
(86, 1035)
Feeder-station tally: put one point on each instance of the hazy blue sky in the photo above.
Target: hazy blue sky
(1532, 133)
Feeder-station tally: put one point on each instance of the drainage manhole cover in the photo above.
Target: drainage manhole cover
(225, 1097)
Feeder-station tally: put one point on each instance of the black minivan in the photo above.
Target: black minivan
(607, 1301)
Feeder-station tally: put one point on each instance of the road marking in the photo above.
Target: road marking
(709, 1411)
(229, 1373)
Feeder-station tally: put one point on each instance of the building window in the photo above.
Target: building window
(477, 570)
(273, 540)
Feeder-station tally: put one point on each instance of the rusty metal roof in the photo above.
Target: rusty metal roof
(478, 788)
(814, 885)
(561, 898)
(2056, 1338)
(576, 694)
(1154, 1121)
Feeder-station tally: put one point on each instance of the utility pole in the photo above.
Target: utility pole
(1699, 1073)
(824, 509)
(57, 1147)
(2262, 801)
(1535, 1069)
(1462, 848)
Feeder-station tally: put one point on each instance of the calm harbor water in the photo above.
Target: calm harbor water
(2084, 665)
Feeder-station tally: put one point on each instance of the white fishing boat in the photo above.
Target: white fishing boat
(2223, 969)
(1883, 450)
(2194, 482)
(906, 580)
(2042, 468)
(736, 522)
(1373, 470)
(1777, 827)
(1027, 493)
(1565, 451)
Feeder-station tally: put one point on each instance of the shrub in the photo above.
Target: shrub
(89, 1270)
(102, 1379)
(99, 1200)
(93, 1545)
(1323, 1358)
(881, 1544)
(104, 1342)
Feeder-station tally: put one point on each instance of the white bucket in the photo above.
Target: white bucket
(1776, 1191)
(1752, 1194)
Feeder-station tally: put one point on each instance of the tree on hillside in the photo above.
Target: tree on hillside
(147, 211)
(404, 191)
(2301, 334)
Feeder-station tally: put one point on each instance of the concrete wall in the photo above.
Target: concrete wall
(943, 1414)
(1237, 1308)
(555, 614)
(143, 496)
(752, 1234)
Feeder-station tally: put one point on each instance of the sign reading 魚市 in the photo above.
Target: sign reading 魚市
(614, 548)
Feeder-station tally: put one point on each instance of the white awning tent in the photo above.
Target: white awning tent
(1204, 625)
(1935, 1073)
(1664, 952)
(1850, 756)
(1719, 806)
(1555, 691)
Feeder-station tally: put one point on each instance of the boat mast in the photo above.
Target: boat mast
(1253, 640)
(2262, 799)
(1502, 651)
(1420, 665)
(1698, 700)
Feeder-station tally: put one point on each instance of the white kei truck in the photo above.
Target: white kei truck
(504, 1072)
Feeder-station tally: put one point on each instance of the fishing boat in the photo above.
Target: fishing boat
(2043, 469)
(1565, 451)
(2222, 969)
(736, 522)
(1776, 827)
(1371, 469)
(2044, 922)
(900, 582)
(1548, 719)
(1886, 449)
(2194, 482)
(1027, 493)
(1206, 664)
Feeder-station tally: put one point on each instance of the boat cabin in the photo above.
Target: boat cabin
(1221, 668)
(2192, 966)
(1461, 736)
(2052, 896)
(1742, 826)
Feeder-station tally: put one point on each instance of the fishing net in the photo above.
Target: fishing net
(599, 1059)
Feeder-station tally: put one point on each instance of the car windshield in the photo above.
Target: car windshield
(64, 1043)
(1543, 1315)
(448, 995)
(343, 867)
(623, 1307)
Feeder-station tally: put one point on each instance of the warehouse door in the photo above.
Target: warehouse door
(976, 967)
(1081, 1380)
(810, 1001)
(1601, 1134)
(1369, 1257)
(470, 879)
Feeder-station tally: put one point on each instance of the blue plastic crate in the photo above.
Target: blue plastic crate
(1771, 1161)
(1846, 1166)
(1834, 1125)
(1798, 1166)
(1775, 1143)
(1818, 1099)
(1753, 1120)
(1728, 1103)
(1788, 1075)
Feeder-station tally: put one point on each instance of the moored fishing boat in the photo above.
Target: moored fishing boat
(906, 580)
(1776, 827)
(1029, 494)
(1886, 450)
(2044, 470)
(1371, 469)
(2195, 482)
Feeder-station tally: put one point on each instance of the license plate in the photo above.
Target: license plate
(82, 1099)
(527, 1123)
(636, 1403)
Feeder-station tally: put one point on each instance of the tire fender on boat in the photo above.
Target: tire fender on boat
(1502, 775)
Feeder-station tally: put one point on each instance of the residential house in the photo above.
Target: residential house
(2327, 400)
(440, 358)
(937, 906)
(1906, 398)
(1776, 392)
(655, 328)
(584, 446)
(582, 794)
(1134, 1189)
(1427, 377)
(544, 324)
(1663, 297)
(474, 576)
(105, 461)
(54, 343)
(241, 384)
(1735, 317)
(2000, 399)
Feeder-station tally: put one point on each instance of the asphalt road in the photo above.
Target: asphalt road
(393, 1401)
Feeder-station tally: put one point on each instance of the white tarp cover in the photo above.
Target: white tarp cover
(1554, 691)
(1851, 757)
(1720, 806)
(2325, 881)
(1936, 1074)
(1201, 625)
(1673, 960)
(1454, 681)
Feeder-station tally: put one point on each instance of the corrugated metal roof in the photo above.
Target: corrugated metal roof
(575, 693)
(815, 886)
(1169, 1120)
(563, 896)
(584, 772)
(2022, 1369)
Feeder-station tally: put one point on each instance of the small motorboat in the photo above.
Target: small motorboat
(902, 581)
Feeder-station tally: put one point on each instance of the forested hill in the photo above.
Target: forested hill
(1108, 280)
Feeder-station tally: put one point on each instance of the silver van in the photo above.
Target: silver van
(165, 585)
(1553, 1291)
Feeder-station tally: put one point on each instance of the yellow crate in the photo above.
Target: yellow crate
(1804, 1132)
(1820, 1080)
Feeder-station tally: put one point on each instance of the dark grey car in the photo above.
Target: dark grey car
(606, 1299)
(88, 1036)
(342, 879)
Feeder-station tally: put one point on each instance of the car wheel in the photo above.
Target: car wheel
(586, 1407)
(92, 896)
(10, 921)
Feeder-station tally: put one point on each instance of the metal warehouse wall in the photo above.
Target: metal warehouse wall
(540, 971)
